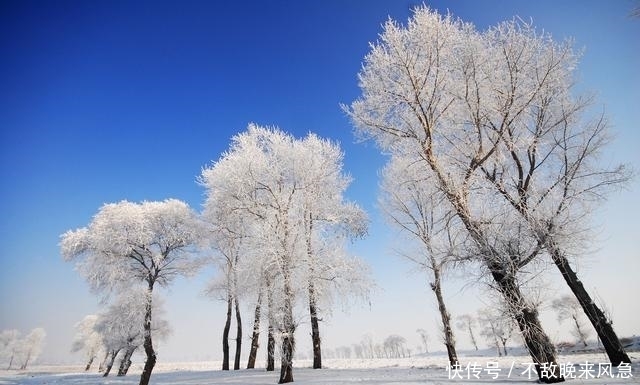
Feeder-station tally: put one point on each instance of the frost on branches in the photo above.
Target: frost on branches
(20, 351)
(277, 213)
(418, 210)
(131, 244)
(491, 117)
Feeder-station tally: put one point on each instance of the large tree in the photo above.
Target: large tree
(327, 218)
(127, 244)
(423, 87)
(546, 163)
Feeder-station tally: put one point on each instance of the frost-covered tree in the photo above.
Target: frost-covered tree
(327, 217)
(121, 326)
(228, 238)
(287, 192)
(567, 307)
(394, 346)
(30, 347)
(422, 214)
(424, 88)
(252, 180)
(496, 326)
(9, 344)
(87, 339)
(127, 244)
(467, 322)
(424, 339)
(546, 162)
(368, 345)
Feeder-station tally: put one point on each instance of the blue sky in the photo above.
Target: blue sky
(104, 101)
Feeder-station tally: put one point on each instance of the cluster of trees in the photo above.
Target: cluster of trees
(278, 222)
(393, 346)
(275, 223)
(493, 323)
(127, 251)
(118, 331)
(494, 161)
(18, 352)
(496, 325)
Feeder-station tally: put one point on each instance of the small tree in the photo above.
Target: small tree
(87, 339)
(413, 204)
(228, 238)
(31, 346)
(121, 327)
(568, 307)
(497, 327)
(127, 244)
(467, 322)
(9, 342)
(424, 339)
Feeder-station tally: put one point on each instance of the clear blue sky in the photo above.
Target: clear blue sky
(108, 100)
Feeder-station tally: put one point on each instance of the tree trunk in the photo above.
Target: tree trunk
(540, 347)
(444, 315)
(313, 308)
(255, 338)
(127, 366)
(236, 363)
(504, 346)
(288, 341)
(581, 335)
(315, 328)
(538, 343)
(225, 333)
(125, 363)
(26, 361)
(271, 349)
(148, 342)
(498, 348)
(109, 365)
(86, 368)
(271, 342)
(286, 367)
(103, 362)
(13, 354)
(601, 324)
(473, 338)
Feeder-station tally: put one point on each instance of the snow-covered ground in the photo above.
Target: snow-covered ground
(430, 370)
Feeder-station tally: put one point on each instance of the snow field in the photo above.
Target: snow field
(430, 370)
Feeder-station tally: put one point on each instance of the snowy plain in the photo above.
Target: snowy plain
(424, 370)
